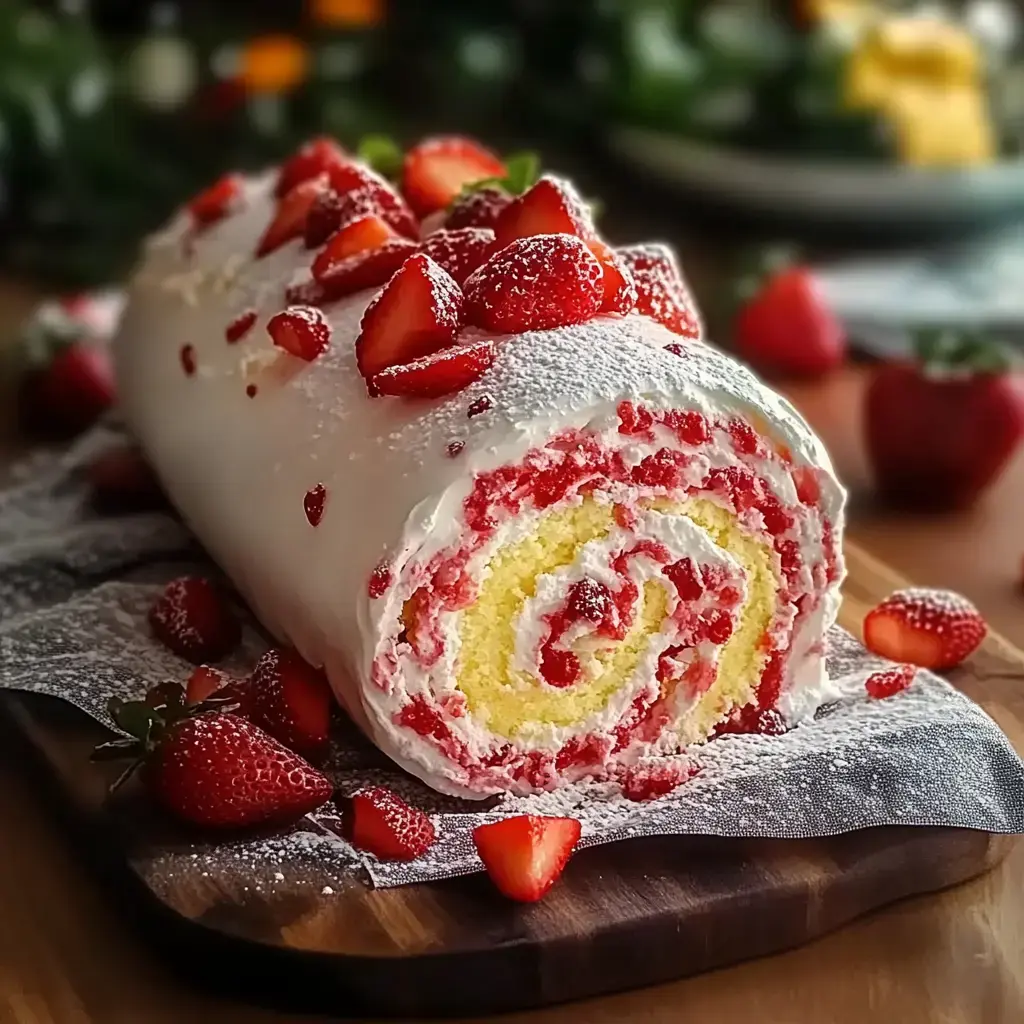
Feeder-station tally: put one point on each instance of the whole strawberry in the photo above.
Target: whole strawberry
(941, 427)
(210, 767)
(69, 393)
(786, 329)
(192, 619)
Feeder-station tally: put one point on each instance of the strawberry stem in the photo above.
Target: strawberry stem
(382, 153)
(941, 348)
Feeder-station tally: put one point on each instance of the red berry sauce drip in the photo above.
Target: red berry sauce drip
(454, 448)
(240, 326)
(480, 406)
(313, 503)
(188, 359)
(380, 580)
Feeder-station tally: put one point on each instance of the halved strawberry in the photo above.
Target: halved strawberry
(617, 281)
(215, 203)
(478, 209)
(379, 199)
(525, 855)
(461, 251)
(323, 219)
(291, 700)
(929, 628)
(206, 681)
(363, 254)
(385, 825)
(418, 312)
(290, 217)
(441, 373)
(69, 394)
(535, 284)
(192, 619)
(315, 157)
(551, 207)
(661, 292)
(301, 330)
(437, 170)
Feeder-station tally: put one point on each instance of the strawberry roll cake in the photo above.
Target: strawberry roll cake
(478, 465)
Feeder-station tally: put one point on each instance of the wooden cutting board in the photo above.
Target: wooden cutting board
(624, 915)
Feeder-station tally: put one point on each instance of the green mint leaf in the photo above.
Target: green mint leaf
(521, 172)
(382, 153)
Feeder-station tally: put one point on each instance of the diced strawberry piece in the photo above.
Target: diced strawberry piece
(290, 217)
(240, 326)
(219, 770)
(526, 855)
(383, 824)
(441, 373)
(216, 202)
(314, 158)
(460, 252)
(191, 619)
(551, 207)
(437, 170)
(301, 330)
(535, 284)
(323, 219)
(306, 293)
(292, 701)
(417, 313)
(808, 487)
(619, 289)
(661, 292)
(889, 682)
(478, 209)
(934, 629)
(206, 681)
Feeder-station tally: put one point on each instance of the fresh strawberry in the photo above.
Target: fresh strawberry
(363, 254)
(461, 251)
(661, 292)
(535, 284)
(380, 200)
(551, 207)
(69, 394)
(889, 682)
(942, 428)
(620, 293)
(292, 701)
(439, 374)
(385, 825)
(438, 169)
(216, 202)
(206, 682)
(525, 855)
(786, 329)
(194, 621)
(477, 209)
(121, 479)
(316, 157)
(290, 217)
(301, 330)
(929, 628)
(418, 312)
(323, 219)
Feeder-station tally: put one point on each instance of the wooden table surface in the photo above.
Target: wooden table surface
(67, 958)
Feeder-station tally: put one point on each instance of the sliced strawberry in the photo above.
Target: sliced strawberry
(437, 170)
(929, 628)
(323, 219)
(192, 619)
(526, 855)
(385, 825)
(363, 254)
(535, 284)
(314, 158)
(551, 207)
(478, 209)
(889, 682)
(216, 202)
(460, 252)
(206, 681)
(379, 199)
(290, 217)
(418, 312)
(441, 373)
(661, 292)
(617, 281)
(301, 330)
(292, 701)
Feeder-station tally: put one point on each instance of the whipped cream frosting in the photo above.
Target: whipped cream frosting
(239, 442)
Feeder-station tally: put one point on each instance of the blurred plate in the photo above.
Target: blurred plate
(861, 196)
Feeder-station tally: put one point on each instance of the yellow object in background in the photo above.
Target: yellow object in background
(272, 64)
(924, 75)
(347, 13)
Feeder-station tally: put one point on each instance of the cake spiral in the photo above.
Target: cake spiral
(612, 544)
